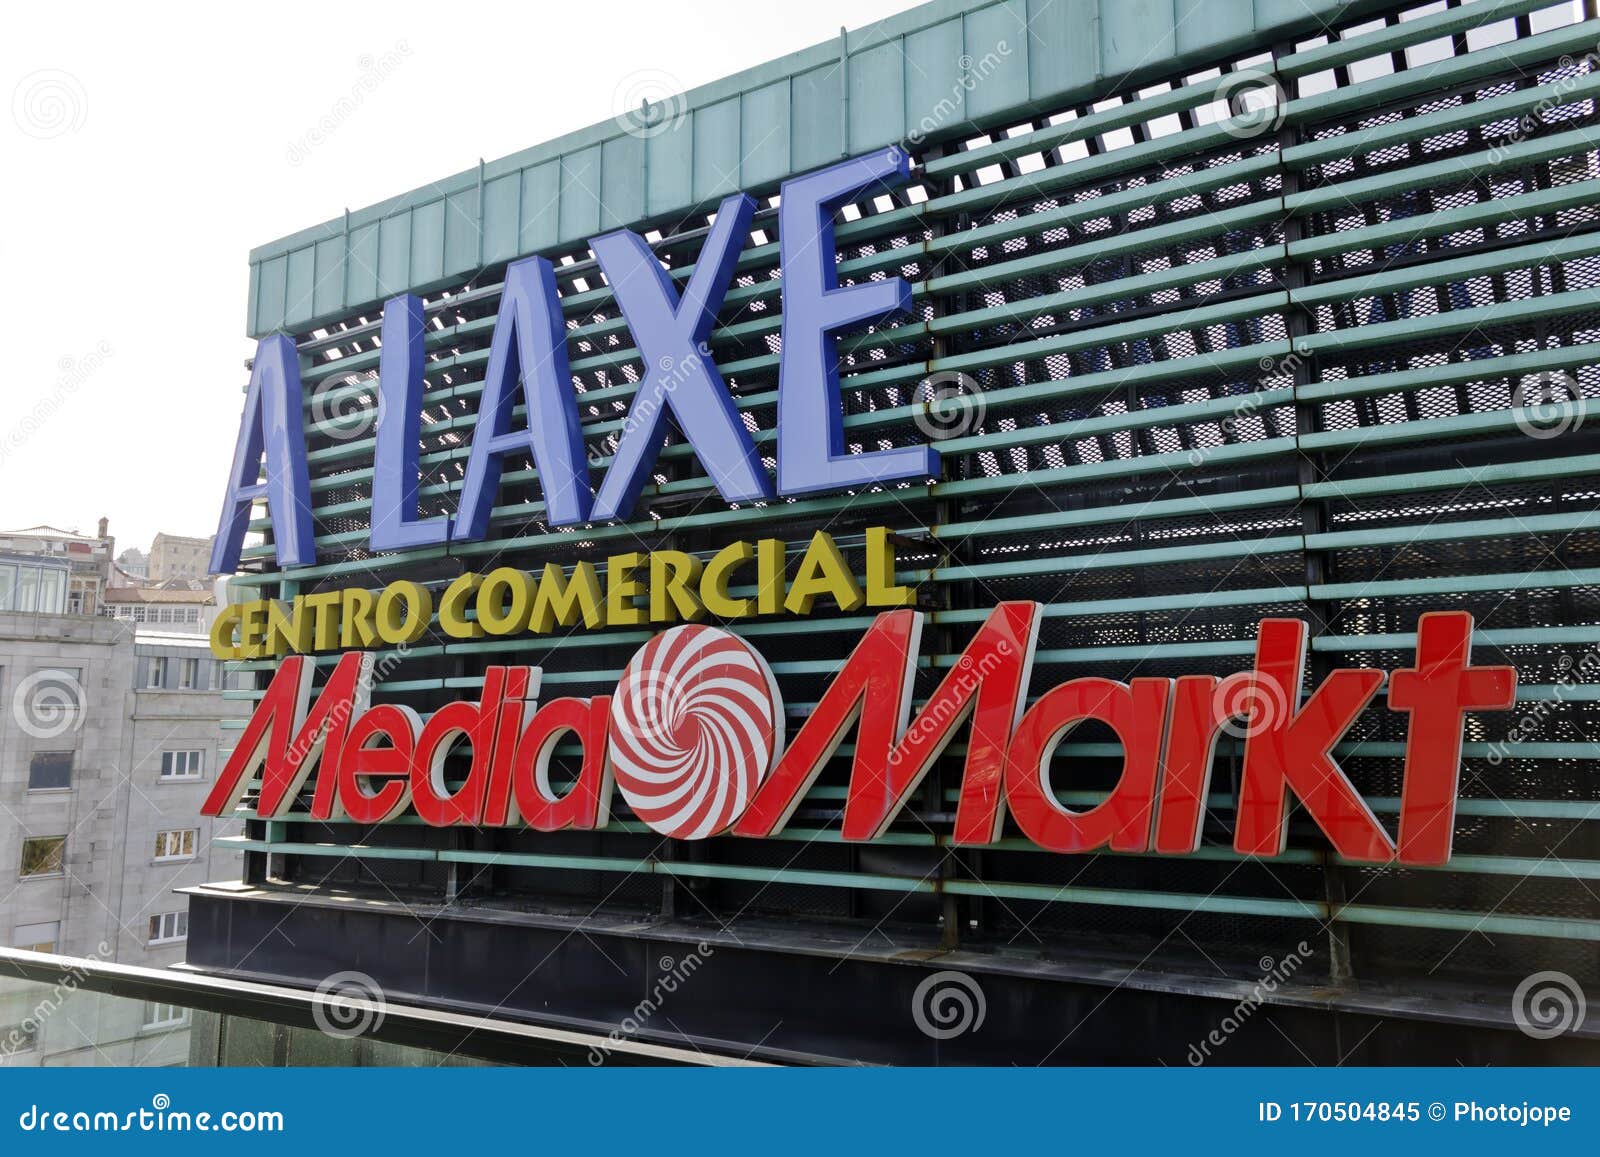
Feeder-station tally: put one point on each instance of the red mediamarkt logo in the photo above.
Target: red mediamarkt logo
(694, 740)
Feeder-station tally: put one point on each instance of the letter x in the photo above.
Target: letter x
(678, 371)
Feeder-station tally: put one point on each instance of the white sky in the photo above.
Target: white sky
(128, 207)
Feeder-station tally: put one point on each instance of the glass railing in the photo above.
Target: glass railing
(60, 1011)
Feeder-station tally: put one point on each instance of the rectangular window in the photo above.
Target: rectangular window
(177, 844)
(52, 592)
(49, 770)
(157, 675)
(169, 928)
(182, 764)
(36, 938)
(55, 698)
(164, 1015)
(188, 674)
(43, 856)
(27, 588)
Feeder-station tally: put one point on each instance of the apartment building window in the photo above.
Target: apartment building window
(51, 700)
(43, 856)
(27, 588)
(169, 928)
(52, 591)
(182, 764)
(49, 770)
(33, 588)
(188, 674)
(164, 1015)
(36, 938)
(156, 676)
(176, 845)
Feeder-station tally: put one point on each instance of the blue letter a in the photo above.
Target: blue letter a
(272, 423)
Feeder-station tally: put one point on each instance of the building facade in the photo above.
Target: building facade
(34, 584)
(134, 565)
(174, 556)
(183, 606)
(106, 747)
(88, 558)
(1219, 315)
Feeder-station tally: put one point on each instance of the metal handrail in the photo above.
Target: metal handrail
(480, 1037)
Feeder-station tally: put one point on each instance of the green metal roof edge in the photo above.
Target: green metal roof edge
(437, 234)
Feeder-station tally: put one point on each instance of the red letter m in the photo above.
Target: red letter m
(283, 739)
(988, 682)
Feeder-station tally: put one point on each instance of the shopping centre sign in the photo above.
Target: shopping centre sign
(694, 734)
(694, 738)
(671, 332)
(630, 589)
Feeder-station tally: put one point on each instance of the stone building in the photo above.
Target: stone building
(88, 559)
(174, 556)
(108, 743)
(186, 606)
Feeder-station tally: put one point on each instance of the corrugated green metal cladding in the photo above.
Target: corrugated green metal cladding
(910, 76)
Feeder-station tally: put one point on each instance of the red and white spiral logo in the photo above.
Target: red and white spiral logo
(696, 725)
